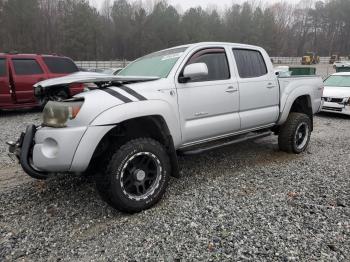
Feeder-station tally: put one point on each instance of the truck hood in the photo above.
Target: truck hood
(91, 77)
(98, 100)
(336, 92)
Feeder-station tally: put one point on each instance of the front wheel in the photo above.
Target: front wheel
(136, 177)
(295, 133)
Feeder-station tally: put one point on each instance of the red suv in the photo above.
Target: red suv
(19, 72)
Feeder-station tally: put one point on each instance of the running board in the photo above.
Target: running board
(222, 143)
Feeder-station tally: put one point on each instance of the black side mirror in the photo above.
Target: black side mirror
(183, 79)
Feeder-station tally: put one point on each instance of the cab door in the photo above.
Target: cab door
(5, 88)
(25, 73)
(209, 105)
(258, 89)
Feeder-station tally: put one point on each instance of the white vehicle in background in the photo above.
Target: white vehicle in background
(106, 71)
(336, 94)
(112, 71)
(341, 64)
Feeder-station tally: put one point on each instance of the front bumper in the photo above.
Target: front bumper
(54, 148)
(22, 149)
(44, 150)
(332, 107)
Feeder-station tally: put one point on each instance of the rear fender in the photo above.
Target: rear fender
(288, 98)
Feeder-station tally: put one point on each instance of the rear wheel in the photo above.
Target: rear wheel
(136, 176)
(295, 133)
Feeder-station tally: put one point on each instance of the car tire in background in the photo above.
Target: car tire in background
(136, 175)
(294, 135)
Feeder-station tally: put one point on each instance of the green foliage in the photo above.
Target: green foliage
(80, 28)
(124, 29)
(19, 19)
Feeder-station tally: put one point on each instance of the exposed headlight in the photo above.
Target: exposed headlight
(56, 114)
(347, 102)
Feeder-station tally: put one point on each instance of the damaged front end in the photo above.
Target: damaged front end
(22, 149)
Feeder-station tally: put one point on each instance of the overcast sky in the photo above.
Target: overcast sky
(185, 4)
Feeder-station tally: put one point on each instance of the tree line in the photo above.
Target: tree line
(123, 29)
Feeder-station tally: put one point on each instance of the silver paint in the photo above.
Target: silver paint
(194, 112)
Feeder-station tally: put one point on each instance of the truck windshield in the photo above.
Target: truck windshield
(157, 64)
(343, 81)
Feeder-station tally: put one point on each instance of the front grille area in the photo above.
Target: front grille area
(332, 108)
(337, 100)
(333, 100)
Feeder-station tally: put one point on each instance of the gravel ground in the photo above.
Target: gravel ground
(244, 202)
(12, 123)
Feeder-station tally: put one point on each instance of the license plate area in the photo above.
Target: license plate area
(15, 147)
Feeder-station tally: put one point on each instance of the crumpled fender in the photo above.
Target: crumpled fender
(129, 111)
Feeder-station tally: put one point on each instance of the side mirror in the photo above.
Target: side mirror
(193, 71)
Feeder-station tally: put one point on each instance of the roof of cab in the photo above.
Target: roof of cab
(216, 43)
(237, 45)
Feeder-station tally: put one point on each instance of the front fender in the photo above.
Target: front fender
(133, 110)
(87, 145)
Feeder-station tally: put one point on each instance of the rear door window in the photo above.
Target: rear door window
(2, 67)
(60, 65)
(250, 63)
(26, 67)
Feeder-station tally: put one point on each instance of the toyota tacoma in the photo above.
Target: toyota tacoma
(183, 100)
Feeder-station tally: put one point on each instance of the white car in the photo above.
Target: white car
(112, 71)
(341, 64)
(336, 94)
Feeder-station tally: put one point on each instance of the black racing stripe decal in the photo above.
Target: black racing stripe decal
(117, 95)
(132, 92)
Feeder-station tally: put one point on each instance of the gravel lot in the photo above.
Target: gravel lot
(244, 202)
(11, 125)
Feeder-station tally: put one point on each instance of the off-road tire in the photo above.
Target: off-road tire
(109, 179)
(287, 134)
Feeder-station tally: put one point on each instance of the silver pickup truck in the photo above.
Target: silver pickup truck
(182, 100)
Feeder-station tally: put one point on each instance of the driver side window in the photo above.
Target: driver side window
(216, 61)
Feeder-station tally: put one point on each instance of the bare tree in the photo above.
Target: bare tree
(128, 29)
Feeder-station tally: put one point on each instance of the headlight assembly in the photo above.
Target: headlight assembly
(347, 103)
(57, 114)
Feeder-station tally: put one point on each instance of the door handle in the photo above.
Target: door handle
(231, 89)
(270, 85)
(201, 114)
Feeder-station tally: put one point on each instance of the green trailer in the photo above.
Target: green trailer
(302, 71)
(342, 69)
